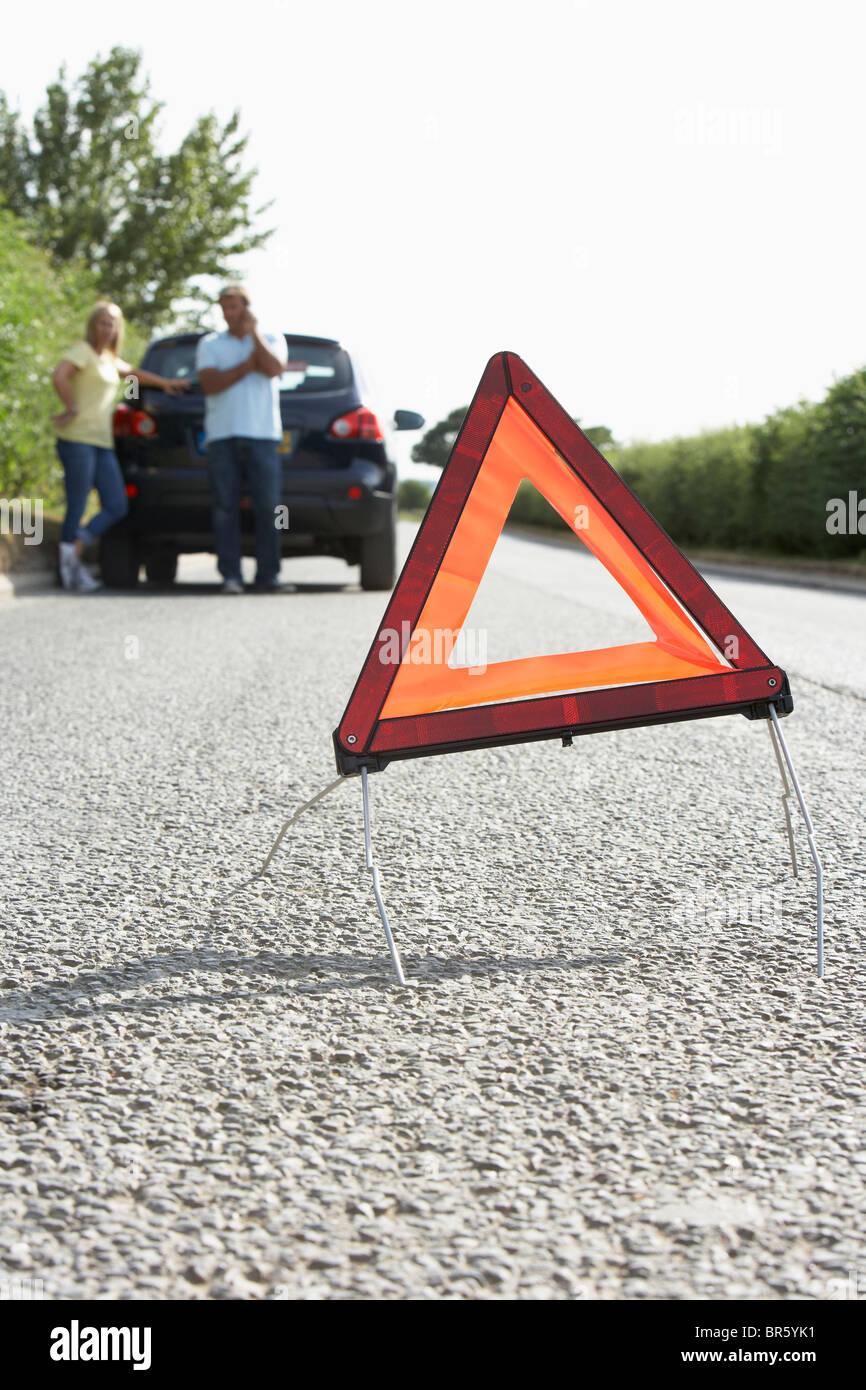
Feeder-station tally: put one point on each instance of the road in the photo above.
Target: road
(614, 1073)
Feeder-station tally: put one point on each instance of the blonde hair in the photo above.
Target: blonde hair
(106, 306)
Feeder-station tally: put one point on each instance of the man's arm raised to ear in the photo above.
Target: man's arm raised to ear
(265, 358)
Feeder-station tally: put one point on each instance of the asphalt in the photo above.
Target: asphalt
(613, 1072)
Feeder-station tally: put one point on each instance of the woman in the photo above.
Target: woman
(86, 380)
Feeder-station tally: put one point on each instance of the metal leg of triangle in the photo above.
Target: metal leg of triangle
(395, 955)
(338, 781)
(810, 833)
(786, 805)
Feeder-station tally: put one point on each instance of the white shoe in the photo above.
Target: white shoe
(84, 581)
(69, 564)
(232, 586)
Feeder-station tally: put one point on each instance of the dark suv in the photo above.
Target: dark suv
(337, 481)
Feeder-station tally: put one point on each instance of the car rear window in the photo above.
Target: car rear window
(315, 367)
(311, 366)
(174, 360)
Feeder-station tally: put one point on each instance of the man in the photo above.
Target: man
(238, 371)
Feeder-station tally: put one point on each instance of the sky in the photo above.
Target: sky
(660, 206)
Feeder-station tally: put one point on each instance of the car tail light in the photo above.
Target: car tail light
(131, 490)
(133, 422)
(355, 492)
(358, 424)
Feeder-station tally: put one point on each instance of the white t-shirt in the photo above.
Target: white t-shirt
(250, 409)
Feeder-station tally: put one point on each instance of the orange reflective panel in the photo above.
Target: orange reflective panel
(519, 450)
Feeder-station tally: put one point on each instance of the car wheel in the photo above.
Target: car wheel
(379, 558)
(160, 566)
(119, 560)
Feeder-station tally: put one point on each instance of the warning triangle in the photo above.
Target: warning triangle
(411, 700)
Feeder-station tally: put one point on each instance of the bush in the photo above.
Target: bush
(805, 456)
(43, 310)
(529, 508)
(760, 487)
(413, 495)
(697, 488)
(750, 487)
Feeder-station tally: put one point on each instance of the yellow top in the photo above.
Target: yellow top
(94, 390)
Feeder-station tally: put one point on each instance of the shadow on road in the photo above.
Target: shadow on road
(101, 992)
(46, 588)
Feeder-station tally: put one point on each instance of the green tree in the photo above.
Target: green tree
(91, 183)
(601, 437)
(435, 444)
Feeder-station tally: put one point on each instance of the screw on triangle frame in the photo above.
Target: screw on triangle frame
(395, 955)
(810, 833)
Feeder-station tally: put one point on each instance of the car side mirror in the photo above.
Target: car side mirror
(408, 420)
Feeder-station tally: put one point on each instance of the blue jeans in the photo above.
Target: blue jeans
(86, 466)
(227, 459)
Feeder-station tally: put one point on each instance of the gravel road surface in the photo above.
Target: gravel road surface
(613, 1073)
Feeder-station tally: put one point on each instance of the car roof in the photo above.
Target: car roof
(194, 337)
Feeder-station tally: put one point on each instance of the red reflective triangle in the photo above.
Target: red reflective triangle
(408, 701)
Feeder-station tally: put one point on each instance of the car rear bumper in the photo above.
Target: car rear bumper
(175, 504)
